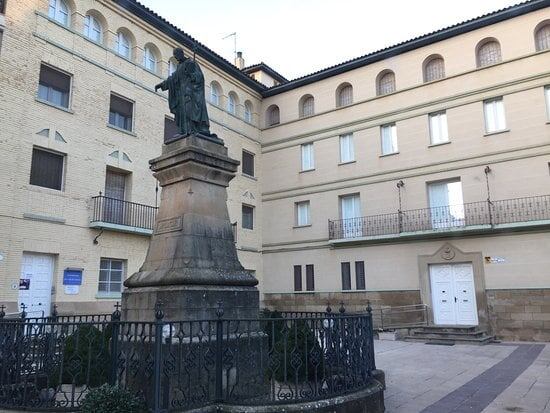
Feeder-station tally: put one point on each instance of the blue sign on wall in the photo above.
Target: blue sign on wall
(72, 276)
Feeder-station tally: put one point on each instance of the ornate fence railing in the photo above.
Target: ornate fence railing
(52, 363)
(119, 212)
(507, 211)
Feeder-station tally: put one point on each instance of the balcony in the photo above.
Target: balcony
(123, 216)
(472, 218)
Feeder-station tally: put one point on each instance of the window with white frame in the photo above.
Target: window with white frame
(111, 276)
(149, 59)
(495, 118)
(302, 214)
(347, 152)
(59, 11)
(121, 113)
(248, 112)
(54, 86)
(232, 103)
(215, 94)
(92, 28)
(439, 132)
(308, 159)
(489, 53)
(547, 95)
(446, 204)
(172, 66)
(542, 38)
(123, 45)
(388, 135)
(350, 213)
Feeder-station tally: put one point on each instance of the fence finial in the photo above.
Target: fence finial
(23, 312)
(159, 314)
(342, 309)
(329, 309)
(2, 312)
(369, 308)
(116, 314)
(219, 309)
(54, 311)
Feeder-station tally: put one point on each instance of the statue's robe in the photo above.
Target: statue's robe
(186, 98)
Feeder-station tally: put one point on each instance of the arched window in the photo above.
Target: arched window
(386, 83)
(434, 68)
(232, 102)
(150, 58)
(344, 95)
(172, 66)
(542, 37)
(123, 45)
(307, 104)
(93, 29)
(272, 115)
(248, 111)
(488, 53)
(215, 93)
(59, 11)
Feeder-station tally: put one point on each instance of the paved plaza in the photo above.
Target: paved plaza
(508, 377)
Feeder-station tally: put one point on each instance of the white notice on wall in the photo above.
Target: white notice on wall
(72, 289)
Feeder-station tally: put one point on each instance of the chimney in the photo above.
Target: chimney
(239, 61)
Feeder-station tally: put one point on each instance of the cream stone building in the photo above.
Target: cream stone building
(418, 174)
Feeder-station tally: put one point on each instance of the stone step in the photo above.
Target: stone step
(449, 329)
(485, 339)
(454, 334)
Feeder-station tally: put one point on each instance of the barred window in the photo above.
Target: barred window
(272, 117)
(488, 53)
(434, 69)
(307, 106)
(344, 95)
(386, 83)
(542, 37)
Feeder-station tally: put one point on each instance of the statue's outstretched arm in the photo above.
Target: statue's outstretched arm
(162, 86)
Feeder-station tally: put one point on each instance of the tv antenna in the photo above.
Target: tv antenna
(234, 35)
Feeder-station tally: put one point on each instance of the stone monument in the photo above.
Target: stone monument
(192, 264)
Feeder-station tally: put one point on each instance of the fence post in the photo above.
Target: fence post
(370, 332)
(2, 312)
(219, 352)
(115, 319)
(159, 324)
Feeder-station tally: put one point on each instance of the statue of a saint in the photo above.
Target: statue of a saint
(186, 96)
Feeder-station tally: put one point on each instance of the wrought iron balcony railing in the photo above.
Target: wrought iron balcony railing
(122, 213)
(446, 218)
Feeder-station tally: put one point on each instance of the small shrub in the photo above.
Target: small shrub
(111, 399)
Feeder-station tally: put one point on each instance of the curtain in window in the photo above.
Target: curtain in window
(542, 38)
(446, 204)
(92, 28)
(439, 132)
(247, 112)
(434, 70)
(346, 148)
(308, 161)
(46, 169)
(489, 54)
(307, 106)
(302, 213)
(345, 96)
(389, 139)
(123, 45)
(350, 207)
(495, 119)
(386, 84)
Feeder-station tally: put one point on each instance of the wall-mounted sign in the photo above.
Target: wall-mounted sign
(72, 276)
(495, 260)
(24, 284)
(72, 289)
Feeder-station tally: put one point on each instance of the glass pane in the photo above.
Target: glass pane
(103, 287)
(116, 275)
(105, 264)
(116, 265)
(116, 287)
(103, 275)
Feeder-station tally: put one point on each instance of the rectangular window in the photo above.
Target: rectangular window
(308, 162)
(495, 118)
(111, 275)
(350, 213)
(248, 163)
(446, 204)
(47, 169)
(388, 135)
(546, 94)
(121, 112)
(439, 132)
(302, 213)
(360, 275)
(54, 86)
(170, 129)
(346, 276)
(248, 217)
(347, 153)
(310, 278)
(297, 278)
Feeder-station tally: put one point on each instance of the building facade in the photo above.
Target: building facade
(417, 174)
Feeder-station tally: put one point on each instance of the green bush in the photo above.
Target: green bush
(111, 399)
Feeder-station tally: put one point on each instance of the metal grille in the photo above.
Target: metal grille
(345, 96)
(542, 38)
(434, 69)
(308, 106)
(489, 54)
(386, 83)
(120, 212)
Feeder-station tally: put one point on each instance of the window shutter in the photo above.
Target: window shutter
(310, 278)
(360, 275)
(346, 276)
(248, 163)
(297, 278)
(46, 169)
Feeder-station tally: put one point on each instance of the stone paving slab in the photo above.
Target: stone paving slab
(419, 376)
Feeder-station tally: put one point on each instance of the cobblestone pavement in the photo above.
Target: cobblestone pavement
(512, 377)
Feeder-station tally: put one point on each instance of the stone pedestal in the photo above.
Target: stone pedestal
(192, 261)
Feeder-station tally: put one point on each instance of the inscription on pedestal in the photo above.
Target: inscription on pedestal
(169, 225)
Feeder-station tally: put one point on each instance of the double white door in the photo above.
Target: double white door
(453, 294)
(35, 284)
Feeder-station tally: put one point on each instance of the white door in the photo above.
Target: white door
(446, 204)
(453, 294)
(35, 284)
(350, 207)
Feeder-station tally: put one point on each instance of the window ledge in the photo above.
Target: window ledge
(389, 154)
(306, 170)
(346, 163)
(108, 296)
(353, 291)
(498, 132)
(304, 292)
(301, 226)
(249, 176)
(53, 105)
(432, 145)
(127, 132)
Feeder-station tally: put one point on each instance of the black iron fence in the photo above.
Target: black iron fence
(52, 363)
(508, 211)
(116, 211)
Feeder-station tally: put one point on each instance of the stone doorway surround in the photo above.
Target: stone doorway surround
(449, 254)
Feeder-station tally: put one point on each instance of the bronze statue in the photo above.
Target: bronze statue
(186, 96)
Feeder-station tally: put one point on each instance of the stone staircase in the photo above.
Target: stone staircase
(450, 335)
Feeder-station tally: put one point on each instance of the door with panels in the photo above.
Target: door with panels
(35, 284)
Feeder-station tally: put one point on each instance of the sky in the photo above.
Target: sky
(298, 37)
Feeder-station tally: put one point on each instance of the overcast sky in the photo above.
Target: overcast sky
(297, 37)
